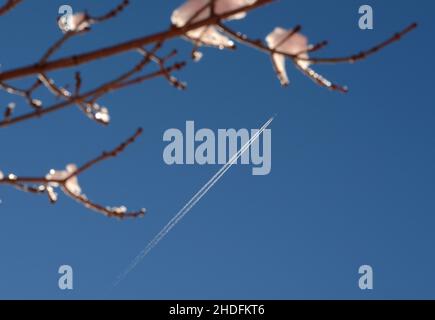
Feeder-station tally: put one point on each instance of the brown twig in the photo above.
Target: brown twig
(366, 53)
(25, 93)
(259, 45)
(44, 183)
(161, 63)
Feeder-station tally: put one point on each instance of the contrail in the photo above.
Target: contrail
(191, 203)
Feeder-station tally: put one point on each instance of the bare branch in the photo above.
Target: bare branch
(78, 83)
(25, 93)
(159, 37)
(8, 6)
(112, 13)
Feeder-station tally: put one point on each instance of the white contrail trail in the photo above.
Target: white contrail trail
(191, 203)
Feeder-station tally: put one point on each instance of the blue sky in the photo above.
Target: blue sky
(352, 178)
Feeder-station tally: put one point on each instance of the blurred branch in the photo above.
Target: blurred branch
(67, 181)
(8, 6)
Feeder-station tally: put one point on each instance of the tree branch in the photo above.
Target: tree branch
(297, 58)
(76, 60)
(8, 6)
(47, 183)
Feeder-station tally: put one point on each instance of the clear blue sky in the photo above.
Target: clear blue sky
(352, 178)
